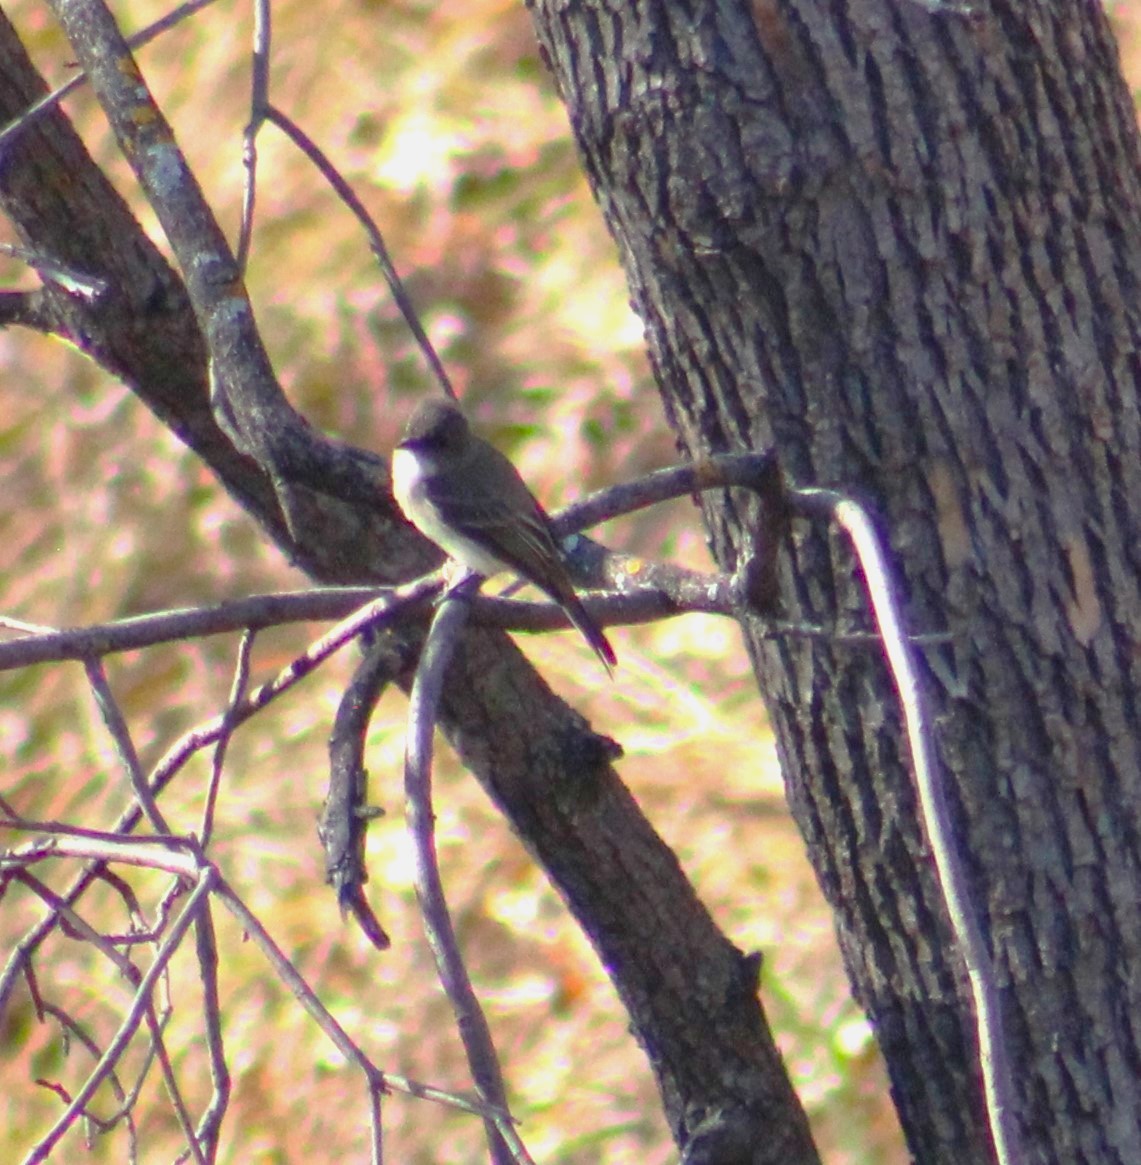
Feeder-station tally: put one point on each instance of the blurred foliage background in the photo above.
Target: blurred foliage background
(442, 117)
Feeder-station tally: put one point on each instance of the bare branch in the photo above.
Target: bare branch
(45, 644)
(26, 309)
(206, 947)
(237, 693)
(51, 100)
(177, 1101)
(344, 1043)
(377, 612)
(175, 855)
(345, 815)
(262, 611)
(259, 102)
(250, 405)
(117, 726)
(470, 1020)
(998, 1085)
(647, 591)
(376, 240)
(70, 1026)
(206, 876)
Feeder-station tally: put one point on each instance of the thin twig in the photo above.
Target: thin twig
(134, 1016)
(259, 102)
(173, 1091)
(116, 724)
(50, 645)
(237, 694)
(998, 1084)
(48, 102)
(342, 1041)
(174, 855)
(81, 929)
(189, 744)
(371, 614)
(84, 931)
(376, 240)
(71, 1028)
(206, 947)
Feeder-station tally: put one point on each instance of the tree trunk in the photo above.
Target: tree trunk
(899, 241)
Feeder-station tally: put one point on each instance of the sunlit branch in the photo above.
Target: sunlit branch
(134, 1016)
(49, 101)
(237, 694)
(206, 948)
(376, 240)
(470, 1020)
(116, 724)
(259, 103)
(998, 1085)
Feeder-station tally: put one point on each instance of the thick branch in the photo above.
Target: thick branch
(691, 994)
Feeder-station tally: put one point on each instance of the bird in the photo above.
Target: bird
(464, 495)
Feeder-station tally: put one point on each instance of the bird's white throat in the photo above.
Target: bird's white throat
(409, 487)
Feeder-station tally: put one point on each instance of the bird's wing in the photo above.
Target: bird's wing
(514, 529)
(511, 526)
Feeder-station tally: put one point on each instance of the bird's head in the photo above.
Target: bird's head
(437, 426)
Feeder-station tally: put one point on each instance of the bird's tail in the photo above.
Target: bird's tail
(590, 631)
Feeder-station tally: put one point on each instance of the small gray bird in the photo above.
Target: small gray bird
(463, 494)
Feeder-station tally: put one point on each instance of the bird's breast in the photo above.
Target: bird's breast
(407, 481)
(410, 481)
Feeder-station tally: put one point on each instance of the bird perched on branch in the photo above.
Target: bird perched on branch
(460, 492)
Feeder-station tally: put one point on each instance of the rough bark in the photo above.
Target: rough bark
(901, 243)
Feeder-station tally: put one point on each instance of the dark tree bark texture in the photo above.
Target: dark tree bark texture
(900, 241)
